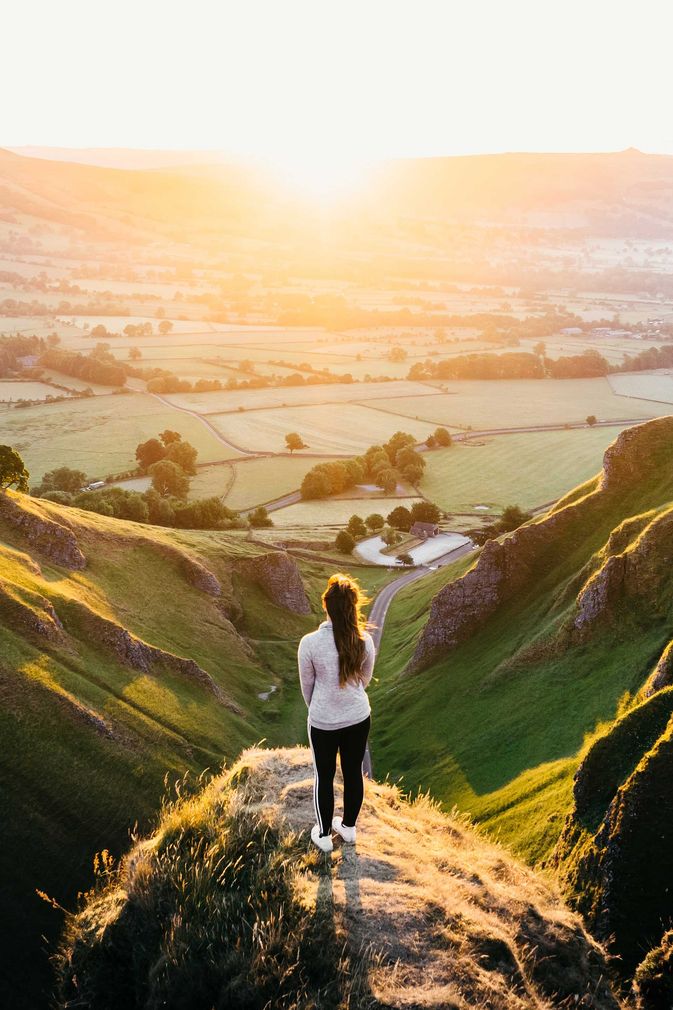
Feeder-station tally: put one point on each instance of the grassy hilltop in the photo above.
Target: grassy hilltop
(225, 905)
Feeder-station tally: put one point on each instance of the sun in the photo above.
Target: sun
(320, 175)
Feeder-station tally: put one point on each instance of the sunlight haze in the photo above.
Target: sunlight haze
(326, 85)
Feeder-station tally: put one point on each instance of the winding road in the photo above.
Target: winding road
(383, 599)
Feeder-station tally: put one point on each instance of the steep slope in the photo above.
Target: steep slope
(126, 652)
(535, 650)
(615, 855)
(225, 905)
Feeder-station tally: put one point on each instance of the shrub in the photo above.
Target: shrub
(344, 542)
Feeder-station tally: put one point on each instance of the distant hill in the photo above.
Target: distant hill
(198, 197)
(126, 652)
(541, 678)
(225, 905)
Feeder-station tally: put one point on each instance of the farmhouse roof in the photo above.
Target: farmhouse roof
(421, 528)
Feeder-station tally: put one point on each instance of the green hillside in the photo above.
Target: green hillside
(127, 653)
(513, 668)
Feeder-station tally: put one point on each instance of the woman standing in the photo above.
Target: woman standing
(335, 667)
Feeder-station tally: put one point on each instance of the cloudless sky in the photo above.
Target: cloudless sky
(366, 79)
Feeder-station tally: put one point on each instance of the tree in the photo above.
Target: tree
(405, 559)
(356, 527)
(400, 440)
(592, 420)
(512, 517)
(294, 441)
(397, 354)
(165, 326)
(149, 452)
(260, 518)
(374, 522)
(12, 469)
(443, 437)
(387, 479)
(400, 518)
(431, 441)
(344, 542)
(390, 536)
(315, 485)
(169, 479)
(168, 437)
(62, 479)
(135, 354)
(425, 512)
(184, 454)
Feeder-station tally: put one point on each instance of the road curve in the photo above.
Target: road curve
(383, 599)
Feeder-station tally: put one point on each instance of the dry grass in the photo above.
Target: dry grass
(422, 913)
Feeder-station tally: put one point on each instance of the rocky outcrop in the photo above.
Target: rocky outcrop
(615, 855)
(635, 453)
(278, 575)
(55, 540)
(194, 571)
(662, 675)
(635, 573)
(632, 585)
(129, 650)
(461, 607)
(33, 615)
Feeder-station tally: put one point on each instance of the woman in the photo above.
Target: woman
(335, 667)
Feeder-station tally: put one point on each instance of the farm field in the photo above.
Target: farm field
(75, 383)
(510, 403)
(259, 480)
(20, 390)
(99, 434)
(644, 385)
(346, 431)
(526, 470)
(232, 400)
(335, 512)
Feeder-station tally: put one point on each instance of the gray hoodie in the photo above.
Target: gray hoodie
(331, 706)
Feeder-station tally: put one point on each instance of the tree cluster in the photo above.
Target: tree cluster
(384, 465)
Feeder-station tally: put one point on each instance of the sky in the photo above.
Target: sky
(333, 83)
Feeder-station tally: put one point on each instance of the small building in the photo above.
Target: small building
(424, 530)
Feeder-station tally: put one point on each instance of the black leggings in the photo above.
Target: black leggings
(351, 743)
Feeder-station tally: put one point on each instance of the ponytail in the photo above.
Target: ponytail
(343, 599)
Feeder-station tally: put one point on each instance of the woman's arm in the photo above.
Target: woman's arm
(368, 664)
(306, 670)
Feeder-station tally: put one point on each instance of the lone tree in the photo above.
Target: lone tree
(405, 559)
(344, 542)
(135, 354)
(356, 527)
(443, 437)
(294, 441)
(169, 479)
(12, 469)
(165, 326)
(260, 518)
(592, 420)
(375, 522)
(425, 512)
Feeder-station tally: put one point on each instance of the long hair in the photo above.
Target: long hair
(344, 599)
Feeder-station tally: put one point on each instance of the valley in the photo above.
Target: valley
(219, 398)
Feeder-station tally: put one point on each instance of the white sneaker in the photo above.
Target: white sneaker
(348, 834)
(325, 842)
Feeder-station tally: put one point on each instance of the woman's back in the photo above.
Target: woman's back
(331, 705)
